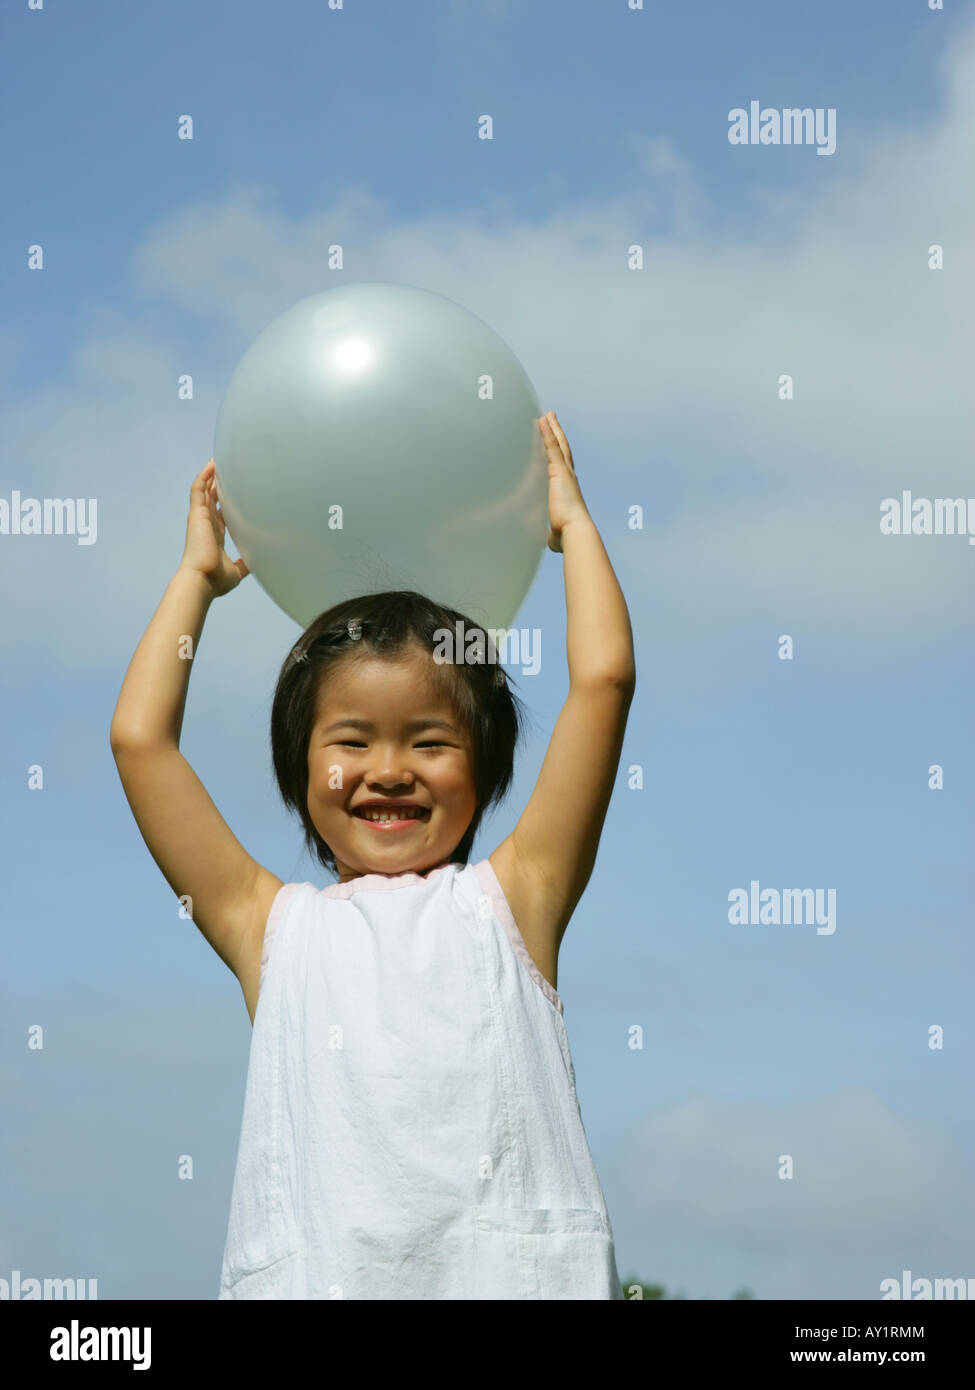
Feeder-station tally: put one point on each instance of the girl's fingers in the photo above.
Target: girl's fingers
(552, 446)
(215, 516)
(559, 433)
(548, 433)
(199, 484)
(554, 437)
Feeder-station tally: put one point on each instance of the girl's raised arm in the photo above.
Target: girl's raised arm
(186, 835)
(546, 862)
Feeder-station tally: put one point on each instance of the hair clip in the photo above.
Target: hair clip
(498, 676)
(355, 629)
(299, 656)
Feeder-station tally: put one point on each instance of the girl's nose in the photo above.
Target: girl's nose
(388, 781)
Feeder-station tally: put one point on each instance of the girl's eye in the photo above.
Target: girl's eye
(419, 745)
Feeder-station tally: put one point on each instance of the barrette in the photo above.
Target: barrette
(355, 629)
(299, 656)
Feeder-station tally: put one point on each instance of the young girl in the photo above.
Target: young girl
(411, 1128)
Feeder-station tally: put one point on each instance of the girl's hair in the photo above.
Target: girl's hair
(393, 625)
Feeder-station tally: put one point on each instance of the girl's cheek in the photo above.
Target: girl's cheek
(329, 779)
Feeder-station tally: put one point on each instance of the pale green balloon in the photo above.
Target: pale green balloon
(369, 399)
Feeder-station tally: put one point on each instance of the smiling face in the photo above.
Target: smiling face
(393, 740)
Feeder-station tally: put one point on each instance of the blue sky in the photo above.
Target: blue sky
(164, 256)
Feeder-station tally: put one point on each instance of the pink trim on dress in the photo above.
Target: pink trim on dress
(380, 883)
(492, 887)
(281, 900)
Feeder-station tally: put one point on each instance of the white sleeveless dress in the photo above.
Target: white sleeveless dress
(411, 1128)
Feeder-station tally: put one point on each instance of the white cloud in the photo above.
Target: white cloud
(659, 155)
(665, 376)
(697, 1203)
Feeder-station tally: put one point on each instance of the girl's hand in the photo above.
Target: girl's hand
(205, 532)
(564, 497)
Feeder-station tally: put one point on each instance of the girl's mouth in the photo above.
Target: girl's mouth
(395, 819)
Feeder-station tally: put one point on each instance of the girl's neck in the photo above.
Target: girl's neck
(421, 873)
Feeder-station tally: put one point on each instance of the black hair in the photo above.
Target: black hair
(392, 625)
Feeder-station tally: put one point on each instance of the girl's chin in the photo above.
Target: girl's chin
(381, 864)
